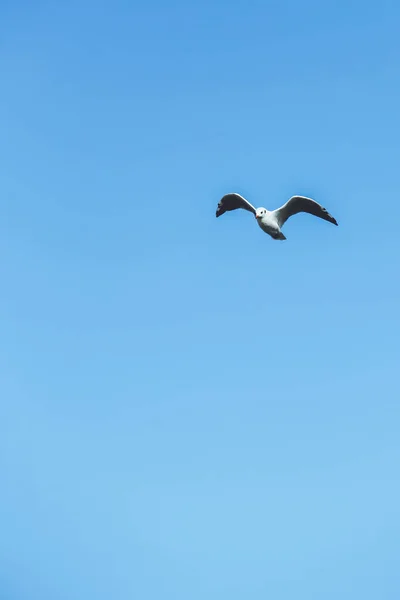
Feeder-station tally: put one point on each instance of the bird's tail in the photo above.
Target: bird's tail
(280, 236)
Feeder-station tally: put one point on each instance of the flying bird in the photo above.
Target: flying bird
(271, 221)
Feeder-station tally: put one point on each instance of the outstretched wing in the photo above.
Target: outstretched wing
(298, 204)
(232, 202)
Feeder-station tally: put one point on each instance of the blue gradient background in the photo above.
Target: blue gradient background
(189, 409)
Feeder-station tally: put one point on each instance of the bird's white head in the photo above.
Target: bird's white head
(260, 212)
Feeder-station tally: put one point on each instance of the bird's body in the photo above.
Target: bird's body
(269, 221)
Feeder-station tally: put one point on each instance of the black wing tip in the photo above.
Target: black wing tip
(329, 217)
(223, 205)
(220, 211)
(333, 221)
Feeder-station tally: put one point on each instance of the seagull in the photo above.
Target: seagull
(271, 221)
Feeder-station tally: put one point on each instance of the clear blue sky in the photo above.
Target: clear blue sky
(190, 409)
